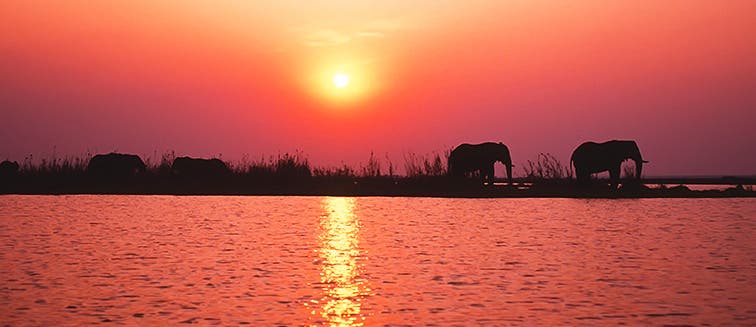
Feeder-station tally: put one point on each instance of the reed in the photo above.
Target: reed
(54, 165)
(429, 165)
(546, 167)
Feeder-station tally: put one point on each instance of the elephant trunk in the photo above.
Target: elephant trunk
(509, 172)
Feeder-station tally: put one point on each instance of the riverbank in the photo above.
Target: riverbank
(383, 186)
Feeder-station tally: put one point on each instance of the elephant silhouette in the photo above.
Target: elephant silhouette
(115, 166)
(199, 168)
(8, 169)
(591, 157)
(468, 158)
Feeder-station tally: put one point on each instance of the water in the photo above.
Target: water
(163, 260)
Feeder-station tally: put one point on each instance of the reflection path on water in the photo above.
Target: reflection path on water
(340, 264)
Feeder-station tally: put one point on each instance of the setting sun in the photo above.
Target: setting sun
(341, 80)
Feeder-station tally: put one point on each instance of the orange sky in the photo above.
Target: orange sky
(249, 77)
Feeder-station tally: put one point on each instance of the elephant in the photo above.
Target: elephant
(467, 158)
(199, 168)
(8, 169)
(116, 165)
(591, 157)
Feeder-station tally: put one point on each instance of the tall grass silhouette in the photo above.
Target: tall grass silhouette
(293, 173)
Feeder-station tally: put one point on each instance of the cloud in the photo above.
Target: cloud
(379, 28)
(371, 34)
(385, 25)
(326, 38)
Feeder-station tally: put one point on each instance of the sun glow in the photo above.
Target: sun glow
(341, 80)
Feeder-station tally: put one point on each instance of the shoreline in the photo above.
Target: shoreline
(396, 189)
(619, 197)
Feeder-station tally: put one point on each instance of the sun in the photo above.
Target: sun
(342, 83)
(340, 80)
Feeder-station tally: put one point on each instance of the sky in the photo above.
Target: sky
(247, 79)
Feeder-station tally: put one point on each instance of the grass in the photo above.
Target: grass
(281, 174)
(55, 165)
(432, 165)
(292, 173)
(546, 167)
(286, 166)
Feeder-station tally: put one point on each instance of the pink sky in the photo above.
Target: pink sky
(234, 78)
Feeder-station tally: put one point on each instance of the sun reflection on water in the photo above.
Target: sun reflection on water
(343, 288)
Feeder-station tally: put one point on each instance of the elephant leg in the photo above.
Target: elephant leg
(614, 175)
(582, 176)
(482, 173)
(490, 174)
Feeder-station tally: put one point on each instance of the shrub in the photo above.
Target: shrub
(341, 171)
(546, 166)
(372, 168)
(425, 166)
(292, 166)
(287, 166)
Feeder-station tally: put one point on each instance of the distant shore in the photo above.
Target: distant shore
(292, 174)
(439, 186)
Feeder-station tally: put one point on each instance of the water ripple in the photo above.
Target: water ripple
(164, 260)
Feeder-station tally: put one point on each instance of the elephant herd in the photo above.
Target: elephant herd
(120, 166)
(588, 158)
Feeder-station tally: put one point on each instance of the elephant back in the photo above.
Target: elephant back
(8, 169)
(591, 157)
(198, 167)
(115, 166)
(470, 157)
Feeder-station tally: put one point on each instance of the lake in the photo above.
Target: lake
(374, 261)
